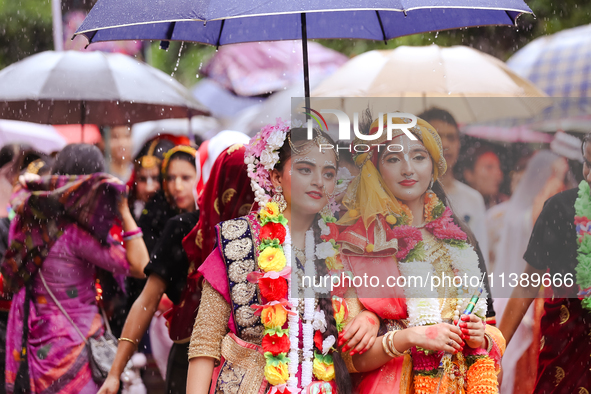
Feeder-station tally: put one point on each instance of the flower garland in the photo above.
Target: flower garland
(423, 304)
(583, 228)
(274, 281)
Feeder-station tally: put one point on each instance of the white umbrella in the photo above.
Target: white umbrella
(470, 84)
(91, 87)
(43, 138)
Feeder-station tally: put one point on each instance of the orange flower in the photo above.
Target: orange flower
(431, 201)
(428, 384)
(274, 316)
(482, 377)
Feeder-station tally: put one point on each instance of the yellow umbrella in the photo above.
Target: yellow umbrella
(472, 85)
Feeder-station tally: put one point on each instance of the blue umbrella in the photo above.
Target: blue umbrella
(224, 22)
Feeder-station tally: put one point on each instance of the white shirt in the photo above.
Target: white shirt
(468, 205)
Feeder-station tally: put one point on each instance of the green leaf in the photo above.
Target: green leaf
(275, 360)
(277, 331)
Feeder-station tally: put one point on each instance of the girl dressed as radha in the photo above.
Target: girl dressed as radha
(253, 334)
(399, 225)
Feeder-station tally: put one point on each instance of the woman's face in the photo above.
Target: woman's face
(181, 179)
(146, 183)
(306, 179)
(408, 173)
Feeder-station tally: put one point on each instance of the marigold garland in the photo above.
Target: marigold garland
(480, 377)
(583, 228)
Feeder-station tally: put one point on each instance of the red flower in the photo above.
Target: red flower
(318, 340)
(273, 289)
(273, 230)
(276, 344)
(445, 228)
(334, 232)
(408, 237)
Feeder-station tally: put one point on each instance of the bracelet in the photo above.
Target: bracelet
(392, 346)
(133, 236)
(125, 234)
(129, 340)
(386, 346)
(490, 342)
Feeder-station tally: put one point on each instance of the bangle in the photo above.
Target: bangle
(392, 346)
(386, 346)
(490, 342)
(132, 232)
(133, 236)
(129, 340)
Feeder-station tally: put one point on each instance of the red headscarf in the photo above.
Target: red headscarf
(226, 195)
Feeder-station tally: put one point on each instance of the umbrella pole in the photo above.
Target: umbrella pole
(82, 118)
(305, 56)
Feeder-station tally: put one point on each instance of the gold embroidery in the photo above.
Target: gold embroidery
(244, 209)
(542, 342)
(216, 205)
(583, 390)
(210, 325)
(238, 249)
(239, 270)
(227, 196)
(559, 375)
(199, 239)
(245, 316)
(247, 362)
(233, 148)
(230, 378)
(253, 334)
(564, 314)
(242, 293)
(232, 229)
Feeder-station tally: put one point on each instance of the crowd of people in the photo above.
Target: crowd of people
(196, 256)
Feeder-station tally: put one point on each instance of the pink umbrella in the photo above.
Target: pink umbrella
(256, 68)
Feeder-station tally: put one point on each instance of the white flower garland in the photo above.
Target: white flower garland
(293, 321)
(309, 311)
(422, 302)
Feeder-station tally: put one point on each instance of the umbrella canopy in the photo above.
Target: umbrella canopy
(75, 133)
(418, 78)
(94, 87)
(559, 65)
(228, 22)
(256, 68)
(41, 137)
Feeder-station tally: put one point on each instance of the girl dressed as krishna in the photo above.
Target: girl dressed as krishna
(253, 333)
(399, 225)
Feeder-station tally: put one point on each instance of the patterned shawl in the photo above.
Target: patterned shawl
(45, 207)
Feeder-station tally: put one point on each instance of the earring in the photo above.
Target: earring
(279, 199)
(431, 184)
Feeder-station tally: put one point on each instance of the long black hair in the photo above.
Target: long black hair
(298, 136)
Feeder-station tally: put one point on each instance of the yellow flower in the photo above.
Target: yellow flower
(270, 210)
(271, 259)
(391, 219)
(274, 316)
(323, 371)
(276, 375)
(369, 248)
(334, 263)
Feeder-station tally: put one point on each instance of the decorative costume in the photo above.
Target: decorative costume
(380, 240)
(559, 243)
(62, 228)
(276, 343)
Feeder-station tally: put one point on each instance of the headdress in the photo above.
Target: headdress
(369, 187)
(166, 161)
(261, 156)
(149, 160)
